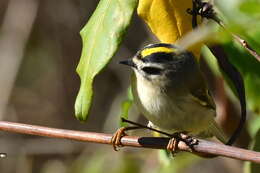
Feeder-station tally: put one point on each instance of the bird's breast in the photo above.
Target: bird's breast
(168, 110)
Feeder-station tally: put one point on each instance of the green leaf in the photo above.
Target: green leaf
(253, 125)
(254, 167)
(251, 7)
(125, 106)
(241, 16)
(101, 37)
(250, 69)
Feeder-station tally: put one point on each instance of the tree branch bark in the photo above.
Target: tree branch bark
(203, 147)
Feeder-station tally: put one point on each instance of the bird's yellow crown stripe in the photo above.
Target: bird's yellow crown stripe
(152, 50)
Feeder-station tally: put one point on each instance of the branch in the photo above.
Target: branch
(205, 10)
(204, 147)
(237, 38)
(246, 46)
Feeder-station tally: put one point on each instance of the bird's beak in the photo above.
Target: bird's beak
(128, 62)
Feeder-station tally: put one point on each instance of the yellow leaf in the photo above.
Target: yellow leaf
(168, 19)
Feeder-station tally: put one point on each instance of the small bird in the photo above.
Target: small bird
(170, 91)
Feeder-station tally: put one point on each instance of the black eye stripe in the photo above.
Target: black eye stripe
(152, 70)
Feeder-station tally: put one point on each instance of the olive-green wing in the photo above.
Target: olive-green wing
(203, 97)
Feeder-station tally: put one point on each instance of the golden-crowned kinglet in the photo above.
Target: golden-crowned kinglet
(170, 91)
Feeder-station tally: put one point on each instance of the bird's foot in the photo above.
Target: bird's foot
(116, 139)
(176, 138)
(117, 136)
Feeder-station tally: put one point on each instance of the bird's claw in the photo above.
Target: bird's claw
(176, 138)
(116, 139)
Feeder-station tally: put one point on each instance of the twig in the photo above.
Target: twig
(204, 146)
(205, 10)
(246, 46)
(237, 38)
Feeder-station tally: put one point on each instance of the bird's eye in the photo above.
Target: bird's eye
(152, 70)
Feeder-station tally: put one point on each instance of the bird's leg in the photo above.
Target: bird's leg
(116, 139)
(173, 142)
(175, 138)
(180, 136)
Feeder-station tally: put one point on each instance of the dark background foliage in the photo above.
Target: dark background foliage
(40, 48)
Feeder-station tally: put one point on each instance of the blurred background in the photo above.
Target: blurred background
(40, 47)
